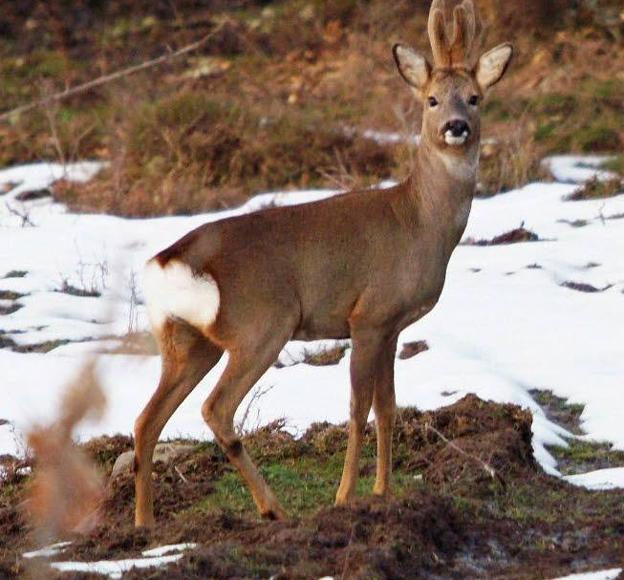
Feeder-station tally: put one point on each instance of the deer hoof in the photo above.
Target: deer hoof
(274, 513)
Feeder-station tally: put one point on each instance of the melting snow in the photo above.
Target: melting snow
(601, 575)
(114, 568)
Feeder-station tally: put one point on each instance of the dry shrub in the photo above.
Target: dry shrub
(193, 151)
(598, 189)
(66, 489)
(509, 163)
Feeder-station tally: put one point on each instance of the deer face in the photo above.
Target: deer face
(453, 88)
(451, 110)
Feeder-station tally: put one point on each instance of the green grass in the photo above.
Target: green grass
(581, 456)
(302, 485)
(616, 165)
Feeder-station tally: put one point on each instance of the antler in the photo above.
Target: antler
(458, 52)
(464, 30)
(437, 35)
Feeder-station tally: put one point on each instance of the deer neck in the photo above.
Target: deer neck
(445, 183)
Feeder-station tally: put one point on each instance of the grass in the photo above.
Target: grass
(616, 165)
(598, 189)
(581, 456)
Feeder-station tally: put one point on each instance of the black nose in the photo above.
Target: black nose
(457, 128)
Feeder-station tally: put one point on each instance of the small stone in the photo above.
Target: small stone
(165, 452)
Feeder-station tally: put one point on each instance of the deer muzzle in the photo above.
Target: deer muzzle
(456, 132)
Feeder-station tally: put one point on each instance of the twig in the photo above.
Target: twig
(177, 470)
(486, 466)
(111, 77)
(23, 215)
(257, 394)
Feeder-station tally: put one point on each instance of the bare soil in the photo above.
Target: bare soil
(470, 502)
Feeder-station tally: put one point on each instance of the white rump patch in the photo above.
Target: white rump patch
(175, 291)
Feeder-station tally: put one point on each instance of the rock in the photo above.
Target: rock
(165, 452)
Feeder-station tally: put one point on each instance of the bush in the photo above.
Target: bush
(193, 151)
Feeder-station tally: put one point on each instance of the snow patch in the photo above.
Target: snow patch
(114, 568)
(600, 479)
(600, 575)
(48, 551)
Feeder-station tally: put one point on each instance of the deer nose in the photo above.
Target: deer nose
(457, 128)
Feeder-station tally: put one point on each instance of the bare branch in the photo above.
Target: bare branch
(110, 77)
(486, 466)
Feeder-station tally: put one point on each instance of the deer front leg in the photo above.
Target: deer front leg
(384, 404)
(368, 351)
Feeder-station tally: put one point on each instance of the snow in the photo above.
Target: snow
(578, 169)
(114, 568)
(504, 324)
(162, 550)
(52, 550)
(600, 575)
(600, 479)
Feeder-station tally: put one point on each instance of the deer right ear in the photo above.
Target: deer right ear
(414, 68)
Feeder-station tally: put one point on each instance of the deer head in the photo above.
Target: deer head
(453, 88)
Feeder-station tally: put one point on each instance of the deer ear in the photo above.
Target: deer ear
(414, 68)
(492, 65)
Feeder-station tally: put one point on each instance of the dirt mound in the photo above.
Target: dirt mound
(469, 502)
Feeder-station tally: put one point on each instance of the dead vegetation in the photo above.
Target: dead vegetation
(517, 236)
(598, 189)
(271, 101)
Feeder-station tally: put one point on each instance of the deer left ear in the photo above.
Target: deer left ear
(492, 66)
(414, 68)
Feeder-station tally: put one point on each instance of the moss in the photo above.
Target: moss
(599, 136)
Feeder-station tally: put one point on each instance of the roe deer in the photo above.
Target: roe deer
(364, 265)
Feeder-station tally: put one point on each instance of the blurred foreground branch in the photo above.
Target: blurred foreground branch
(110, 77)
(67, 488)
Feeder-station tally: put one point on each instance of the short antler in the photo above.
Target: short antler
(437, 35)
(464, 31)
(458, 52)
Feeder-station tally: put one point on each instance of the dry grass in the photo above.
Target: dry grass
(598, 189)
(191, 151)
(265, 103)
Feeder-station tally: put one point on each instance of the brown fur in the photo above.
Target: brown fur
(363, 265)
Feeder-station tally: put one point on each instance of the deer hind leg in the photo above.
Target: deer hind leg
(244, 368)
(187, 356)
(384, 405)
(367, 355)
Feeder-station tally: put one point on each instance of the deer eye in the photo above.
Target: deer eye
(474, 100)
(433, 102)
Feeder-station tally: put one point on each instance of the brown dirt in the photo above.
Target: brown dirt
(411, 349)
(458, 522)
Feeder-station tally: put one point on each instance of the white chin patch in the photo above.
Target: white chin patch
(175, 291)
(450, 139)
